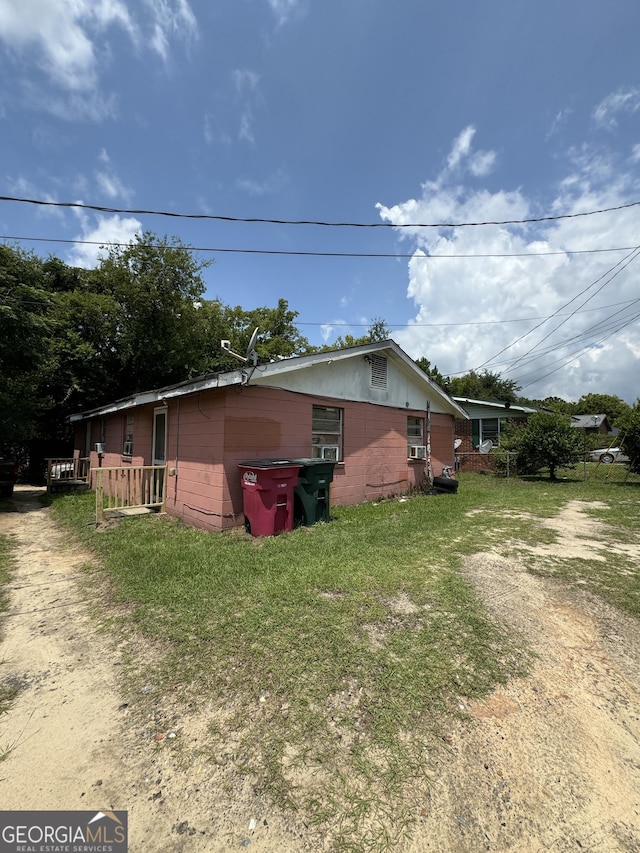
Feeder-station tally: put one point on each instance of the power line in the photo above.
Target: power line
(255, 219)
(628, 258)
(606, 325)
(582, 352)
(392, 326)
(407, 255)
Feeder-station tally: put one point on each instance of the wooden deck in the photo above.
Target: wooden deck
(68, 474)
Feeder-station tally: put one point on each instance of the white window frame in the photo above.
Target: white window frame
(127, 445)
(492, 434)
(327, 430)
(415, 433)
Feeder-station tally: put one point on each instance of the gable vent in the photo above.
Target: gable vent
(378, 371)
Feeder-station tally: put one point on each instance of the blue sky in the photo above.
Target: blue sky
(361, 111)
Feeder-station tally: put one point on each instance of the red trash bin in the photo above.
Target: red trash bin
(267, 492)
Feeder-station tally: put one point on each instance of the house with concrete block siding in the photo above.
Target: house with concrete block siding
(480, 431)
(388, 427)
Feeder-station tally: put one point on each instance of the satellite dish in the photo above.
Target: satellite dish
(486, 446)
(251, 354)
(251, 349)
(457, 443)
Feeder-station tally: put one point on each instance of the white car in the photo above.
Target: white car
(608, 455)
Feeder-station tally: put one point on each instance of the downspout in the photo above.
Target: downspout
(175, 476)
(429, 467)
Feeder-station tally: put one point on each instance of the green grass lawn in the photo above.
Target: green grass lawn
(333, 656)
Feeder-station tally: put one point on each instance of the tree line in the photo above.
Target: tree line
(72, 339)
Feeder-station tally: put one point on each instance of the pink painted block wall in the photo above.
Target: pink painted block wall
(210, 433)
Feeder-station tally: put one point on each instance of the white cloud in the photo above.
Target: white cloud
(245, 131)
(97, 233)
(560, 119)
(108, 181)
(244, 79)
(67, 42)
(273, 184)
(171, 19)
(285, 9)
(482, 163)
(461, 302)
(23, 188)
(479, 163)
(57, 35)
(461, 147)
(246, 83)
(606, 113)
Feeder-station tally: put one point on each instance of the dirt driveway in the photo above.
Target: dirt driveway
(550, 762)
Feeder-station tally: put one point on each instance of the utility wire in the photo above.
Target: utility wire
(526, 334)
(605, 325)
(254, 219)
(391, 326)
(629, 259)
(408, 255)
(578, 355)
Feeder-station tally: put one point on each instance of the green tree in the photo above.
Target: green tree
(547, 440)
(26, 366)
(596, 404)
(74, 339)
(484, 386)
(433, 373)
(278, 335)
(377, 331)
(629, 424)
(157, 287)
(556, 404)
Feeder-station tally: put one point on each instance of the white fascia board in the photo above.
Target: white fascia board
(527, 410)
(170, 392)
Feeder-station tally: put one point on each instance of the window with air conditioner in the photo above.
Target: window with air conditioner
(416, 448)
(326, 433)
(127, 447)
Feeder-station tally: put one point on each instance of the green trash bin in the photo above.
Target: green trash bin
(311, 494)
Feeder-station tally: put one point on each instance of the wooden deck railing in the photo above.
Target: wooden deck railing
(67, 471)
(133, 486)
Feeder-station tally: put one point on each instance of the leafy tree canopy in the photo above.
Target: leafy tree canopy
(555, 404)
(629, 424)
(377, 331)
(484, 386)
(74, 339)
(598, 404)
(26, 365)
(547, 440)
(433, 373)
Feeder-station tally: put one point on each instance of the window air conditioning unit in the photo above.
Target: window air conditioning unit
(330, 451)
(417, 451)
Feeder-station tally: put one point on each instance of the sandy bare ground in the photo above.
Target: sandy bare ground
(550, 762)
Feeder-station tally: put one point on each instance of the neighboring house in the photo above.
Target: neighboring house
(485, 421)
(369, 408)
(591, 424)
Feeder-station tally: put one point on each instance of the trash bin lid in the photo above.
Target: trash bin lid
(270, 463)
